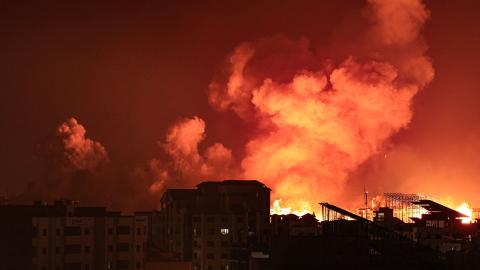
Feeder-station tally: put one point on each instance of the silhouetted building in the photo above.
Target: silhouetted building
(176, 222)
(293, 225)
(230, 220)
(216, 225)
(67, 236)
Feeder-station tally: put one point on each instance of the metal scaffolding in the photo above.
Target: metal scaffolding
(402, 205)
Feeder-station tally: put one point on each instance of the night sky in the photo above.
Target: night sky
(126, 71)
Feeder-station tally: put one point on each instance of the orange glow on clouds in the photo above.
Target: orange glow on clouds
(313, 120)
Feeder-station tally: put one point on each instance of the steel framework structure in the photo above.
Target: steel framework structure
(402, 205)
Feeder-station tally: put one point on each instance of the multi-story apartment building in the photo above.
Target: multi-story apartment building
(176, 222)
(65, 236)
(230, 221)
(216, 225)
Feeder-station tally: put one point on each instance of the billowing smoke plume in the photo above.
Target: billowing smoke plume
(72, 151)
(317, 121)
(73, 164)
(314, 119)
(187, 165)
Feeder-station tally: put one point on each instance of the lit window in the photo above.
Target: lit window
(224, 231)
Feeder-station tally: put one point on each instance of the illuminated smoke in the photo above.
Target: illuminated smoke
(74, 164)
(69, 150)
(317, 121)
(187, 164)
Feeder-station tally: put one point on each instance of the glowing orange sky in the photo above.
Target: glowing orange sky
(127, 72)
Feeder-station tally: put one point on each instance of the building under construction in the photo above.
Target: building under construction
(403, 205)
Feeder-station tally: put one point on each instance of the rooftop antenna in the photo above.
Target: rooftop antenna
(366, 201)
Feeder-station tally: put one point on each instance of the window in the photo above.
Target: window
(209, 243)
(123, 247)
(224, 231)
(72, 231)
(123, 229)
(122, 264)
(73, 249)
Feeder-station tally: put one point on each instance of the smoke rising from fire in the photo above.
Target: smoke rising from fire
(313, 118)
(74, 164)
(317, 121)
(187, 165)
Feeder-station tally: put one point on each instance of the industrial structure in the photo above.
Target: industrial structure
(403, 206)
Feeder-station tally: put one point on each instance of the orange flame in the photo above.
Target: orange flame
(465, 209)
(304, 207)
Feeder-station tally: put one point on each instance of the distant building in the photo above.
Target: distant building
(69, 237)
(439, 228)
(293, 225)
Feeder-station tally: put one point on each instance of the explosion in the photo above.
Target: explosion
(312, 119)
(316, 121)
